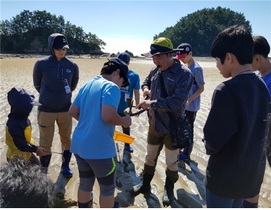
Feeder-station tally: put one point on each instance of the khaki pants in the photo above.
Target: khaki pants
(46, 121)
(155, 144)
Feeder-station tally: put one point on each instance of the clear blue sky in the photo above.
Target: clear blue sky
(131, 25)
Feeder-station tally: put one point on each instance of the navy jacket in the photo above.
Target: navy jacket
(48, 76)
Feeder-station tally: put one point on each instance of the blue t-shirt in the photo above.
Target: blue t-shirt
(92, 137)
(198, 80)
(267, 80)
(127, 92)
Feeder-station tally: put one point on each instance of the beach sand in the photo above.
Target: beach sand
(189, 190)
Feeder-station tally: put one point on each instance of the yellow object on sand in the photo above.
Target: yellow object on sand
(119, 136)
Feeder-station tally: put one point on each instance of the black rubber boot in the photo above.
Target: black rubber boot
(65, 165)
(45, 161)
(168, 196)
(145, 186)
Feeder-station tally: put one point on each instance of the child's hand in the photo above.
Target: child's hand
(40, 151)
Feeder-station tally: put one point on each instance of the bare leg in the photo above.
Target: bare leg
(107, 201)
(85, 197)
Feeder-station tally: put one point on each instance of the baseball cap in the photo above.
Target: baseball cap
(60, 42)
(108, 68)
(125, 57)
(160, 45)
(183, 50)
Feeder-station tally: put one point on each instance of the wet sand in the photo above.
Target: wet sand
(189, 190)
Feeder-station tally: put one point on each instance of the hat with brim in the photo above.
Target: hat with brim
(161, 45)
(60, 42)
(180, 56)
(183, 50)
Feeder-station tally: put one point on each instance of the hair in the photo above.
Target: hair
(236, 40)
(24, 185)
(261, 46)
(109, 67)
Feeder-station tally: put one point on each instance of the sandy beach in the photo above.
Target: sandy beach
(189, 190)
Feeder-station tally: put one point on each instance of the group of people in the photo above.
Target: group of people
(235, 133)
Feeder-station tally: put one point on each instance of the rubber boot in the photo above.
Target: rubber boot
(65, 169)
(145, 186)
(168, 196)
(45, 161)
(128, 148)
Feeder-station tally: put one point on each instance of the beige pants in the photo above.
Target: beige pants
(46, 121)
(156, 142)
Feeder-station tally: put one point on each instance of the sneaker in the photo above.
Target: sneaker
(66, 171)
(183, 156)
(128, 148)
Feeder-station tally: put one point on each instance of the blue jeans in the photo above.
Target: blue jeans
(215, 201)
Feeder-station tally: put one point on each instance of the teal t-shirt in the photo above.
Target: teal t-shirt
(267, 80)
(127, 92)
(92, 137)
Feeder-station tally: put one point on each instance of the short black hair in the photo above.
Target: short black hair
(236, 40)
(109, 67)
(24, 185)
(261, 46)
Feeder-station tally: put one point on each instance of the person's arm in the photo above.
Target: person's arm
(195, 95)
(136, 93)
(136, 88)
(199, 80)
(74, 111)
(19, 139)
(37, 76)
(221, 123)
(146, 86)
(110, 116)
(75, 78)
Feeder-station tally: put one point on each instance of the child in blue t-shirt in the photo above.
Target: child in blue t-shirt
(127, 94)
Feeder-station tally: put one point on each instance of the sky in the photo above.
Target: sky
(131, 25)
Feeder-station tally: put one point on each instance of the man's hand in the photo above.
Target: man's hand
(146, 93)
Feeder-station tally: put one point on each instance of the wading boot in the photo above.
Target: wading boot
(65, 169)
(45, 161)
(144, 187)
(168, 195)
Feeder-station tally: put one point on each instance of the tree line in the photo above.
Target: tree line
(28, 32)
(200, 28)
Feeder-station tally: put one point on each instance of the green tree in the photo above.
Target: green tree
(200, 28)
(28, 33)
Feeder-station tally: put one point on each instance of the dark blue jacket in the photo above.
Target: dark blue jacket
(18, 130)
(48, 76)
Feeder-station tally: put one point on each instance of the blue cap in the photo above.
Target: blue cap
(125, 57)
